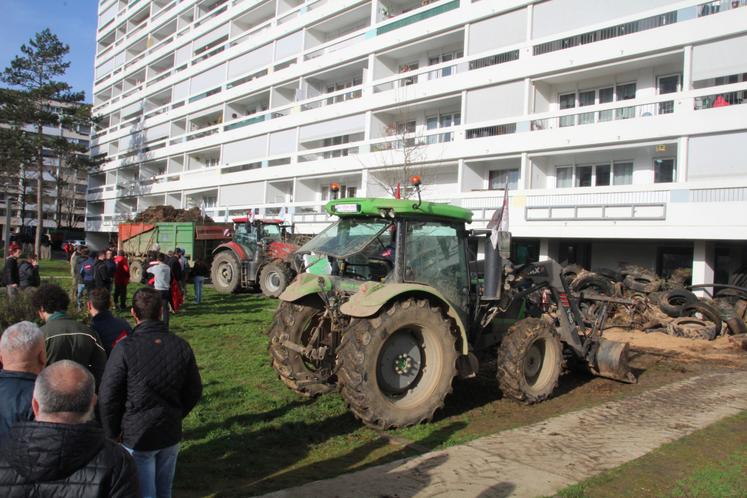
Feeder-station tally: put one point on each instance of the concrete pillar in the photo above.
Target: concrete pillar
(703, 263)
(544, 252)
(682, 155)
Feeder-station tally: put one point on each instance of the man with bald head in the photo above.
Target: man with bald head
(22, 356)
(62, 453)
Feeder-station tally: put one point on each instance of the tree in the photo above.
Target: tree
(35, 75)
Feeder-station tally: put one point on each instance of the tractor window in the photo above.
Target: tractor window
(346, 237)
(271, 232)
(242, 235)
(435, 256)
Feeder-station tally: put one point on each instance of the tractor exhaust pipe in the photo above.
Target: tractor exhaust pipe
(493, 272)
(610, 359)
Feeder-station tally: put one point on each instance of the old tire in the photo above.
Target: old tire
(642, 283)
(273, 279)
(672, 301)
(613, 275)
(294, 322)
(225, 273)
(692, 328)
(529, 361)
(703, 311)
(396, 368)
(593, 282)
(137, 270)
(570, 272)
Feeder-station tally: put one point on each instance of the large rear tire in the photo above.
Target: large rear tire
(529, 361)
(225, 273)
(396, 368)
(274, 278)
(137, 269)
(295, 322)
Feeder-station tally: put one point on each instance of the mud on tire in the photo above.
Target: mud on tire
(294, 322)
(395, 369)
(225, 273)
(529, 361)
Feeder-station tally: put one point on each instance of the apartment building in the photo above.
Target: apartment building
(617, 126)
(64, 187)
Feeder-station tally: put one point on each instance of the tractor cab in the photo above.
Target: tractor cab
(397, 241)
(247, 230)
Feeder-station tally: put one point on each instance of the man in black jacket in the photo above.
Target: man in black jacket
(110, 329)
(22, 356)
(102, 276)
(150, 384)
(62, 453)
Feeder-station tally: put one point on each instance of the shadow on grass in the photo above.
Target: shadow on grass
(270, 474)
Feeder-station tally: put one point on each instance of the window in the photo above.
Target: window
(567, 101)
(341, 85)
(344, 193)
(602, 175)
(497, 179)
(584, 176)
(622, 173)
(664, 171)
(625, 92)
(564, 176)
(668, 84)
(584, 99)
(403, 127)
(445, 120)
(332, 141)
(438, 59)
(406, 68)
(606, 95)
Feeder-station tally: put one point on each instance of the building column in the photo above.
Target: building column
(703, 263)
(687, 63)
(544, 252)
(525, 173)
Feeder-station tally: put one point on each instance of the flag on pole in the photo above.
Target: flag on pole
(202, 209)
(499, 221)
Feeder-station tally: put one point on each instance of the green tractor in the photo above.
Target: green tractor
(391, 306)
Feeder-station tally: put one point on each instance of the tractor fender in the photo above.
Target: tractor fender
(232, 246)
(280, 250)
(371, 297)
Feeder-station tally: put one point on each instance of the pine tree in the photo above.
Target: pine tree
(35, 75)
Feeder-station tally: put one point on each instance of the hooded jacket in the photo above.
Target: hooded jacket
(150, 384)
(42, 459)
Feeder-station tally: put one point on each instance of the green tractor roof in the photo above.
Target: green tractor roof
(400, 207)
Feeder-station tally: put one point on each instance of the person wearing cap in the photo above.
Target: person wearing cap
(11, 277)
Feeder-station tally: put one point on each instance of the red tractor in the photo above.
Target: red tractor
(259, 255)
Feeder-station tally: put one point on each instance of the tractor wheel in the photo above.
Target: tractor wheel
(396, 368)
(295, 322)
(273, 279)
(529, 361)
(225, 273)
(137, 270)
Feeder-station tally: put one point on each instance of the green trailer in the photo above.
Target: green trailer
(197, 240)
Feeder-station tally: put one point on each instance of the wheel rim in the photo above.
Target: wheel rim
(400, 362)
(273, 281)
(226, 272)
(538, 364)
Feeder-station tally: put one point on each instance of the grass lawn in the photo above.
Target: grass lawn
(711, 462)
(251, 435)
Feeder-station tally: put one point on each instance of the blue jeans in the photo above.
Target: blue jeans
(81, 288)
(198, 289)
(155, 470)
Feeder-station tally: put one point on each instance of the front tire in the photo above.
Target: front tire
(396, 368)
(295, 322)
(225, 273)
(529, 361)
(273, 279)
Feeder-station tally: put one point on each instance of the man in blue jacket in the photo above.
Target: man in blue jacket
(23, 356)
(111, 329)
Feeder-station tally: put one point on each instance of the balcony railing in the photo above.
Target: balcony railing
(427, 13)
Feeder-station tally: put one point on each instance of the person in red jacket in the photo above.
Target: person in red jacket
(121, 279)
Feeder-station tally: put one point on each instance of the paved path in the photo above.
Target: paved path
(539, 459)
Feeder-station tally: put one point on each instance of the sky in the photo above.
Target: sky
(74, 23)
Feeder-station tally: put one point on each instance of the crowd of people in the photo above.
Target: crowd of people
(93, 410)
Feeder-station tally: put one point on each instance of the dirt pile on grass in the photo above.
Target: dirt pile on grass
(721, 349)
(155, 214)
